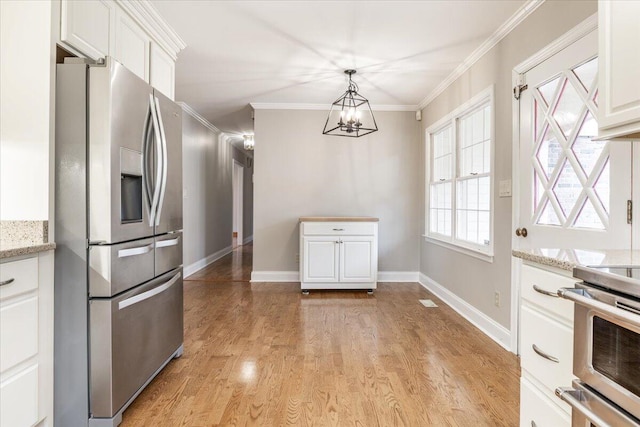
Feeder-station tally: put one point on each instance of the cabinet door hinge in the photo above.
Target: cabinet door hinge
(629, 212)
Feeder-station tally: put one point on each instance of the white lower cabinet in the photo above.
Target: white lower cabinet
(336, 255)
(26, 341)
(546, 347)
(536, 410)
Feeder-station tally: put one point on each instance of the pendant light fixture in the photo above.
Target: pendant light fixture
(351, 114)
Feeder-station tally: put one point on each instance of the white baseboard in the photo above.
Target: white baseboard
(398, 276)
(199, 265)
(490, 327)
(248, 240)
(275, 276)
(294, 276)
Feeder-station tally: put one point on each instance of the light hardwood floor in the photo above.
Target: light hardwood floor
(264, 354)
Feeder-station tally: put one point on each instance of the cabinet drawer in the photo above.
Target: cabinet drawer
(537, 410)
(24, 274)
(551, 338)
(338, 228)
(546, 281)
(19, 399)
(18, 332)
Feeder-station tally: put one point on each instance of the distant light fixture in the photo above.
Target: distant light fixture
(248, 142)
(351, 114)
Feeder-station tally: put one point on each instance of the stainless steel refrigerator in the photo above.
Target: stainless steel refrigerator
(118, 226)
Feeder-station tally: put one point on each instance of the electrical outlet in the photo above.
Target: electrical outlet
(297, 257)
(496, 298)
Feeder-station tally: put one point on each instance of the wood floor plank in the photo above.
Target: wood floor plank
(265, 355)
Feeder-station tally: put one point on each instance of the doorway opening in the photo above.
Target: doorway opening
(238, 187)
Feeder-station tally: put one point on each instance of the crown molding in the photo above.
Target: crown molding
(521, 14)
(145, 14)
(324, 107)
(193, 113)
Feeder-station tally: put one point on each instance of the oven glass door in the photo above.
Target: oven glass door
(616, 353)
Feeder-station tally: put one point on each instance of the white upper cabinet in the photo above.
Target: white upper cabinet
(162, 71)
(131, 32)
(132, 45)
(619, 97)
(86, 26)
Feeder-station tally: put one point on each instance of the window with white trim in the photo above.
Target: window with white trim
(459, 154)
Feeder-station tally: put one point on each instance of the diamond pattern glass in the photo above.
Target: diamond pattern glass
(570, 143)
(568, 109)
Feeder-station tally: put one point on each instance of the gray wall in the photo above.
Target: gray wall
(300, 172)
(471, 279)
(207, 185)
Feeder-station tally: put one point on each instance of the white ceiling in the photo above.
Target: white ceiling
(296, 51)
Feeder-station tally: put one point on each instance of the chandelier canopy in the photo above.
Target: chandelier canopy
(351, 114)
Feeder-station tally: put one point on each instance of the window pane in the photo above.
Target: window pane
(473, 210)
(440, 209)
(475, 138)
(442, 155)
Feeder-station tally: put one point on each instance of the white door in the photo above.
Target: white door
(573, 190)
(321, 259)
(356, 259)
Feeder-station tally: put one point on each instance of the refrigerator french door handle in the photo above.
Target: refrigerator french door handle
(159, 162)
(163, 139)
(146, 152)
(148, 294)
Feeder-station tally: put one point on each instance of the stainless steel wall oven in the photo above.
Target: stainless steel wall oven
(606, 348)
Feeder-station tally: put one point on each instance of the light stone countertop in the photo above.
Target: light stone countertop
(338, 219)
(567, 259)
(23, 238)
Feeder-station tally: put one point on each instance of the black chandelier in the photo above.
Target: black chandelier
(351, 114)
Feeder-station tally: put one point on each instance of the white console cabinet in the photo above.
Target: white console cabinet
(338, 253)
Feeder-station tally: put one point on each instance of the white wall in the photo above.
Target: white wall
(207, 199)
(25, 108)
(469, 278)
(247, 191)
(300, 172)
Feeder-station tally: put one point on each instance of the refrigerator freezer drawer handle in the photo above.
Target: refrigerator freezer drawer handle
(141, 250)
(165, 243)
(148, 294)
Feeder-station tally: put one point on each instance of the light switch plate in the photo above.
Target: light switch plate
(505, 188)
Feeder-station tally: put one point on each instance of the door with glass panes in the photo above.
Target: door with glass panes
(573, 189)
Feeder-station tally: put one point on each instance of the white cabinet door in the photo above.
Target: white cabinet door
(357, 259)
(132, 46)
(619, 35)
(86, 26)
(162, 71)
(321, 258)
(19, 399)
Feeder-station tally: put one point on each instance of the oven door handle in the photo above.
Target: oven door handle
(578, 296)
(590, 404)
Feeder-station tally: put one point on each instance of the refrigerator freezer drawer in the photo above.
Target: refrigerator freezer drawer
(131, 336)
(168, 252)
(116, 268)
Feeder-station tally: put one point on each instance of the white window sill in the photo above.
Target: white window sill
(484, 256)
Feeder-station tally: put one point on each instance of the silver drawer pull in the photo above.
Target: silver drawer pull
(338, 229)
(7, 282)
(123, 253)
(545, 292)
(165, 243)
(543, 354)
(148, 294)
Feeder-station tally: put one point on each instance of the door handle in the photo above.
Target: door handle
(522, 232)
(165, 243)
(148, 294)
(158, 143)
(582, 297)
(163, 160)
(140, 250)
